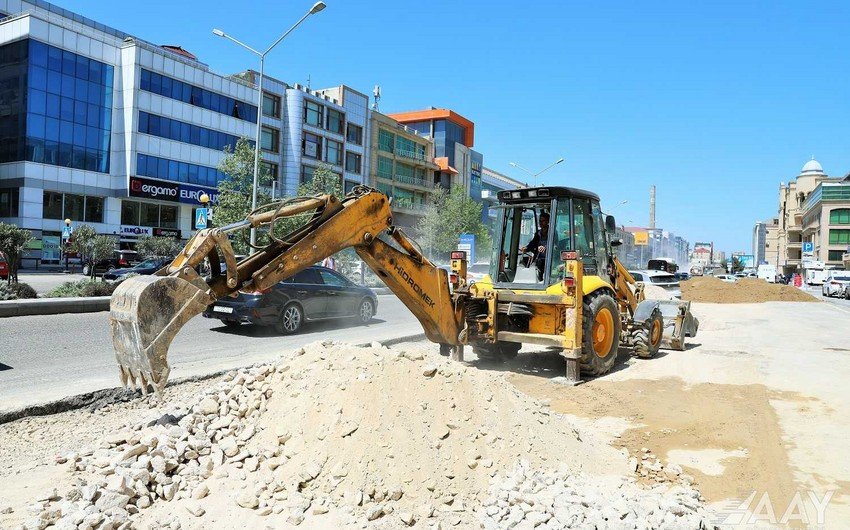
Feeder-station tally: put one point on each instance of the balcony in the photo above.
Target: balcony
(795, 244)
(408, 206)
(413, 181)
(412, 155)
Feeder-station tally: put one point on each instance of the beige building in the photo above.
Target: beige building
(771, 241)
(792, 202)
(826, 221)
(402, 166)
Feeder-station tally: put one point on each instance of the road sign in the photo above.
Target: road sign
(467, 243)
(808, 246)
(66, 232)
(201, 218)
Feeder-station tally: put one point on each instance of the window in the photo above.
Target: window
(151, 166)
(354, 134)
(271, 105)
(836, 255)
(349, 185)
(197, 96)
(405, 172)
(839, 216)
(269, 169)
(168, 216)
(9, 202)
(185, 132)
(150, 214)
(312, 146)
(94, 210)
(405, 147)
(386, 140)
(312, 113)
(307, 174)
(335, 121)
(52, 208)
(130, 212)
(270, 139)
(308, 276)
(385, 167)
(334, 280)
(352, 162)
(839, 237)
(334, 155)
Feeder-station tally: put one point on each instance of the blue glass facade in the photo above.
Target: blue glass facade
(185, 132)
(60, 107)
(164, 169)
(197, 96)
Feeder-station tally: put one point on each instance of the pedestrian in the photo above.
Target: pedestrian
(329, 263)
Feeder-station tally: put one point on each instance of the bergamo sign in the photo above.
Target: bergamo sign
(169, 191)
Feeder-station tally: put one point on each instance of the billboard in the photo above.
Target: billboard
(169, 191)
(700, 248)
(641, 238)
(748, 261)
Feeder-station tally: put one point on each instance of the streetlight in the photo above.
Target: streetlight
(67, 242)
(318, 6)
(535, 175)
(204, 199)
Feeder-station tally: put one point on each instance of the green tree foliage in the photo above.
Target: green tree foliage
(724, 265)
(737, 265)
(91, 246)
(234, 192)
(13, 241)
(158, 247)
(447, 215)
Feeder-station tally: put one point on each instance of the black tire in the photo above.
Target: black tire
(646, 338)
(365, 311)
(500, 351)
(290, 320)
(231, 323)
(596, 306)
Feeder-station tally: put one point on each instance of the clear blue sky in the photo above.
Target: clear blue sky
(714, 103)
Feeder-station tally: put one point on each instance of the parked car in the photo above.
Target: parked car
(149, 266)
(4, 268)
(477, 271)
(682, 276)
(665, 280)
(121, 259)
(836, 284)
(728, 278)
(316, 293)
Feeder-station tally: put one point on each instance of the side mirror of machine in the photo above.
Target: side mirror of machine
(616, 242)
(610, 223)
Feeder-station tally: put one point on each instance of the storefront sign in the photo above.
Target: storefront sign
(166, 232)
(50, 248)
(641, 238)
(138, 231)
(169, 191)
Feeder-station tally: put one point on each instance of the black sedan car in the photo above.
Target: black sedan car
(149, 266)
(316, 293)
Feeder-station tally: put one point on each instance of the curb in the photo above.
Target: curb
(98, 398)
(53, 306)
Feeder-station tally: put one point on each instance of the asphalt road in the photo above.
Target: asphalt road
(44, 358)
(817, 291)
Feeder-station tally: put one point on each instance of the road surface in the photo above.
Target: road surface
(817, 291)
(44, 358)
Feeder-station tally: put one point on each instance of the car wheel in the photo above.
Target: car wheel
(366, 311)
(290, 320)
(231, 323)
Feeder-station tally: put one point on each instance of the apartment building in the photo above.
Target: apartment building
(792, 208)
(403, 167)
(826, 221)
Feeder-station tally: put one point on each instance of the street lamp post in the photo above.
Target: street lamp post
(318, 6)
(66, 243)
(535, 175)
(204, 199)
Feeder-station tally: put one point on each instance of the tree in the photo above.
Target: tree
(13, 241)
(737, 265)
(234, 191)
(447, 215)
(158, 247)
(91, 246)
(724, 264)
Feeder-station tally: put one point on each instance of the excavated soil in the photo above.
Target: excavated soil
(744, 291)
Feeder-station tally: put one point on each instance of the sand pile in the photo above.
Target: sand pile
(745, 290)
(335, 436)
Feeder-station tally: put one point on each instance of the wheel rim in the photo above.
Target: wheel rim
(366, 311)
(291, 318)
(655, 332)
(602, 332)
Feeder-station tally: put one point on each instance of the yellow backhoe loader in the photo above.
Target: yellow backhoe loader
(568, 291)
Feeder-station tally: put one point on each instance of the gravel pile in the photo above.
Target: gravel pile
(334, 436)
(529, 498)
(744, 291)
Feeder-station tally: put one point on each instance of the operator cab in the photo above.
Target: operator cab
(533, 227)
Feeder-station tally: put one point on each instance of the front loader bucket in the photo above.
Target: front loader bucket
(146, 312)
(679, 323)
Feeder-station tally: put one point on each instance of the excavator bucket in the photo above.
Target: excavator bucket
(146, 312)
(679, 323)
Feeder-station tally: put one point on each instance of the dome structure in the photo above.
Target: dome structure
(812, 167)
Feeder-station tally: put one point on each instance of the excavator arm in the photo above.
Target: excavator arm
(146, 312)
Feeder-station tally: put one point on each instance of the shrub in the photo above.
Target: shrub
(6, 293)
(23, 290)
(82, 288)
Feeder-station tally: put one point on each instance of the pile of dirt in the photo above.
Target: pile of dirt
(744, 291)
(336, 435)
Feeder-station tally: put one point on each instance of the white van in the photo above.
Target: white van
(767, 273)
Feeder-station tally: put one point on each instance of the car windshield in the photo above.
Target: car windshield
(148, 263)
(662, 278)
(841, 278)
